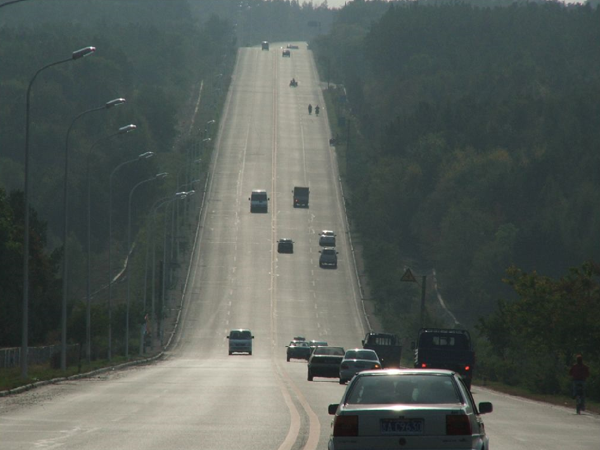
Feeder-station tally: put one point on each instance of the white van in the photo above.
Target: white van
(240, 341)
(259, 201)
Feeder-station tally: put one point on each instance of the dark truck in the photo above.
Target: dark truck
(440, 348)
(301, 196)
(387, 346)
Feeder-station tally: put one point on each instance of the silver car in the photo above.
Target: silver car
(356, 360)
(408, 409)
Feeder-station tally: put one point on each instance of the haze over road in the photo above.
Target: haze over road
(198, 397)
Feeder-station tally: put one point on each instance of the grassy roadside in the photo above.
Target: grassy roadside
(11, 378)
(517, 391)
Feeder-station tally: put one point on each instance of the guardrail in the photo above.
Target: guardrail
(11, 357)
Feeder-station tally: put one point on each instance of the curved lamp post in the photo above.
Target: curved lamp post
(24, 337)
(158, 176)
(122, 130)
(164, 272)
(140, 157)
(161, 202)
(65, 280)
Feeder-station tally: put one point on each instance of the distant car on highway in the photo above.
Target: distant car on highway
(356, 360)
(328, 257)
(298, 350)
(325, 362)
(285, 245)
(314, 344)
(292, 46)
(240, 341)
(259, 201)
(408, 408)
(286, 53)
(327, 238)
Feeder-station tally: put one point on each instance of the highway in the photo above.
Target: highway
(199, 397)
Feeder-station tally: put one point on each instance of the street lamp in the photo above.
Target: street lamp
(24, 337)
(65, 280)
(158, 176)
(140, 157)
(122, 130)
(159, 203)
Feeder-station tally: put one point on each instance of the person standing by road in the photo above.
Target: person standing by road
(309, 108)
(579, 372)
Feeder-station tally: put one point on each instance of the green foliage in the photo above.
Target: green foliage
(533, 340)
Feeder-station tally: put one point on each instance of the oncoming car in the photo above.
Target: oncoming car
(286, 53)
(356, 360)
(408, 409)
(240, 341)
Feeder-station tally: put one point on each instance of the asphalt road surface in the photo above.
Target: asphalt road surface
(199, 397)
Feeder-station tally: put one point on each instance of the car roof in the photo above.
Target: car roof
(284, 240)
(327, 232)
(388, 372)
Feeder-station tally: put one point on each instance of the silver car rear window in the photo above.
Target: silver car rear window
(405, 389)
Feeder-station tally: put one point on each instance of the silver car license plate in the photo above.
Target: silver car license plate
(401, 427)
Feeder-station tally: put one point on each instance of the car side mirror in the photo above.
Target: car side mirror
(227, 337)
(363, 343)
(252, 337)
(248, 198)
(485, 407)
(413, 345)
(331, 409)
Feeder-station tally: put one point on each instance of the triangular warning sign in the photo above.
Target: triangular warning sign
(408, 276)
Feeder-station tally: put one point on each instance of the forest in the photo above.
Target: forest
(468, 137)
(467, 133)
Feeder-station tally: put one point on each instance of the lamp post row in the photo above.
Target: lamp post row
(25, 319)
(26, 248)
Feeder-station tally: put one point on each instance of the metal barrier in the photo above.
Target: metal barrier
(11, 357)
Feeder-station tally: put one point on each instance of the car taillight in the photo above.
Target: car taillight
(376, 366)
(345, 426)
(423, 365)
(467, 368)
(458, 425)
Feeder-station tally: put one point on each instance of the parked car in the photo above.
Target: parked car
(298, 350)
(427, 408)
(357, 360)
(325, 362)
(327, 238)
(285, 245)
(328, 257)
